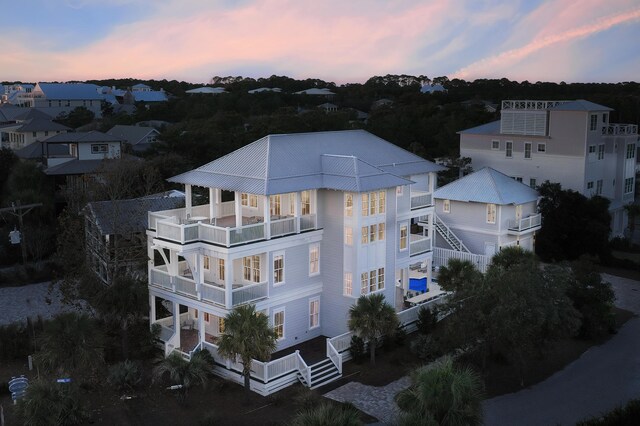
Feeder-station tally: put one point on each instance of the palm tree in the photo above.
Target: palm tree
(196, 371)
(70, 342)
(372, 318)
(458, 274)
(247, 334)
(442, 394)
(328, 414)
(51, 404)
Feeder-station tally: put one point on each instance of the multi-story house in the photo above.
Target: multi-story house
(569, 142)
(62, 98)
(139, 138)
(29, 127)
(481, 213)
(300, 225)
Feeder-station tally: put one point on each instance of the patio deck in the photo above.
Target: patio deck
(312, 351)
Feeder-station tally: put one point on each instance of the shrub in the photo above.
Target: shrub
(400, 336)
(125, 375)
(427, 320)
(357, 349)
(306, 399)
(426, 347)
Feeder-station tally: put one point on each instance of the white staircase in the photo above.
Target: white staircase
(322, 373)
(448, 235)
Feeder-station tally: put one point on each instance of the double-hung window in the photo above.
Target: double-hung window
(491, 213)
(314, 313)
(527, 150)
(278, 323)
(314, 259)
(404, 231)
(278, 269)
(508, 152)
(348, 284)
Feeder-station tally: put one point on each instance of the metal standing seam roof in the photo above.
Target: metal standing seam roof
(38, 150)
(77, 91)
(41, 124)
(580, 105)
(353, 160)
(487, 185)
(74, 167)
(131, 134)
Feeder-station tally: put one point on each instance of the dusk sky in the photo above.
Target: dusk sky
(334, 40)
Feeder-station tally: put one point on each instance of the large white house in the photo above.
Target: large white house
(569, 142)
(300, 225)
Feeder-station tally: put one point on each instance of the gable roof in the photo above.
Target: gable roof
(124, 216)
(83, 137)
(490, 128)
(580, 105)
(38, 149)
(10, 111)
(70, 91)
(209, 90)
(40, 125)
(131, 134)
(487, 185)
(353, 160)
(315, 91)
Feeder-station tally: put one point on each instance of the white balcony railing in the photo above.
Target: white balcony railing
(524, 224)
(160, 278)
(283, 227)
(620, 129)
(212, 293)
(185, 285)
(419, 245)
(307, 222)
(249, 293)
(420, 199)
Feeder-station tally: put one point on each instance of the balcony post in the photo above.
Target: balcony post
(228, 284)
(187, 199)
(238, 208)
(152, 308)
(267, 217)
(213, 203)
(296, 209)
(201, 330)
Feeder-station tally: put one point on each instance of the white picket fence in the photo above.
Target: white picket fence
(441, 257)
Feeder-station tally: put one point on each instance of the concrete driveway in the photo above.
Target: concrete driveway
(603, 378)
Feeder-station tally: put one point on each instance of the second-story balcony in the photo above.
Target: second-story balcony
(620, 129)
(525, 225)
(420, 199)
(214, 293)
(181, 227)
(419, 244)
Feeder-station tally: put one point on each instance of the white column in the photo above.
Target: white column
(152, 308)
(201, 330)
(296, 209)
(228, 283)
(267, 217)
(238, 210)
(187, 194)
(213, 203)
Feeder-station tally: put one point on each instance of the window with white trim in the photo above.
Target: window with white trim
(542, 147)
(207, 317)
(314, 259)
(249, 200)
(221, 269)
(348, 205)
(592, 153)
(631, 151)
(495, 144)
(491, 213)
(206, 262)
(590, 185)
(373, 203)
(220, 325)
(314, 313)
(593, 122)
(274, 205)
(348, 235)
(365, 204)
(381, 227)
(278, 269)
(305, 202)
(278, 323)
(532, 183)
(508, 151)
(527, 150)
(347, 289)
(599, 187)
(251, 268)
(380, 278)
(601, 152)
(373, 232)
(364, 235)
(364, 283)
(404, 231)
(446, 206)
(101, 148)
(382, 201)
(628, 185)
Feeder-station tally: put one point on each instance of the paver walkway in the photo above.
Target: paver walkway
(376, 401)
(18, 303)
(602, 378)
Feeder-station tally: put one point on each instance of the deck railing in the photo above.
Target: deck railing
(523, 224)
(213, 294)
(620, 129)
(342, 342)
(248, 293)
(160, 278)
(308, 221)
(420, 199)
(283, 226)
(303, 368)
(419, 245)
(334, 356)
(185, 285)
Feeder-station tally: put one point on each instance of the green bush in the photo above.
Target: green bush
(125, 375)
(427, 320)
(357, 349)
(426, 347)
(17, 341)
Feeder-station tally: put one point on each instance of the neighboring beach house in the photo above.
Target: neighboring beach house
(29, 126)
(140, 138)
(569, 142)
(480, 214)
(300, 225)
(62, 98)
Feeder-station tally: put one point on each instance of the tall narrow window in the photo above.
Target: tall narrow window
(373, 281)
(601, 152)
(403, 237)
(527, 150)
(244, 199)
(365, 204)
(314, 313)
(220, 325)
(491, 213)
(274, 203)
(628, 185)
(253, 200)
(631, 151)
(278, 323)
(348, 284)
(508, 149)
(246, 268)
(382, 200)
(446, 206)
(373, 232)
(364, 235)
(348, 235)
(373, 202)
(206, 262)
(278, 269)
(593, 123)
(255, 268)
(380, 278)
(381, 231)
(314, 259)
(221, 269)
(348, 205)
(599, 187)
(532, 183)
(364, 283)
(305, 202)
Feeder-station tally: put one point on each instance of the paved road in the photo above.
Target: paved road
(602, 378)
(18, 303)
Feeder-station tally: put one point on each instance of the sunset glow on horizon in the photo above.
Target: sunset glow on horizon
(340, 41)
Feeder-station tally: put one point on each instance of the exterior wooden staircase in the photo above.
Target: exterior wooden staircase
(447, 234)
(322, 373)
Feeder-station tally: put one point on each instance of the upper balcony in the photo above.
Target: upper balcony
(420, 199)
(223, 227)
(525, 225)
(619, 129)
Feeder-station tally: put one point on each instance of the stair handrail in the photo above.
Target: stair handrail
(449, 236)
(334, 356)
(303, 368)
